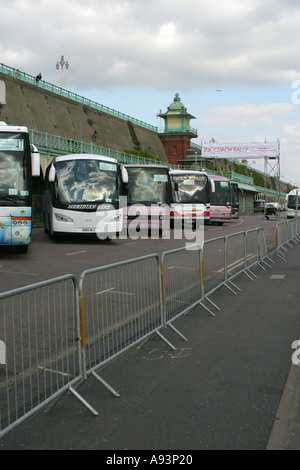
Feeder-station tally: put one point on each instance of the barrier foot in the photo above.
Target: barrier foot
(177, 332)
(105, 384)
(54, 402)
(83, 401)
(145, 341)
(267, 263)
(280, 255)
(229, 288)
(262, 267)
(165, 340)
(161, 336)
(248, 275)
(207, 309)
(212, 303)
(252, 274)
(269, 259)
(236, 287)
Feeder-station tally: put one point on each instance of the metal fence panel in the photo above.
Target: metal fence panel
(262, 247)
(281, 233)
(297, 228)
(251, 248)
(213, 270)
(285, 233)
(291, 229)
(39, 328)
(121, 305)
(181, 281)
(235, 254)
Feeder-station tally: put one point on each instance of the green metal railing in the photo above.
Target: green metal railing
(239, 177)
(57, 145)
(190, 129)
(72, 96)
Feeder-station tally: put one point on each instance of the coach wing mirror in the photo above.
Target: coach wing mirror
(52, 174)
(124, 175)
(212, 186)
(35, 161)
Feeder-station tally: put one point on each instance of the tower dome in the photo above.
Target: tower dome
(177, 106)
(177, 118)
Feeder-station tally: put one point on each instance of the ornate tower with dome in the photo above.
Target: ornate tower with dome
(177, 133)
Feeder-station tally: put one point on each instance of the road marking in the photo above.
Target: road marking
(112, 290)
(75, 253)
(122, 293)
(158, 354)
(104, 291)
(22, 274)
(232, 224)
(58, 372)
(278, 276)
(181, 267)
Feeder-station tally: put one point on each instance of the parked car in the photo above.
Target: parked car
(270, 209)
(278, 206)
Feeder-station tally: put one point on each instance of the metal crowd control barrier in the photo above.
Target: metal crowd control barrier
(286, 232)
(236, 257)
(251, 250)
(213, 264)
(181, 283)
(245, 250)
(55, 334)
(297, 228)
(39, 326)
(121, 306)
(263, 255)
(190, 276)
(225, 258)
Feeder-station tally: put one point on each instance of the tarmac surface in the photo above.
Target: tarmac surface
(231, 386)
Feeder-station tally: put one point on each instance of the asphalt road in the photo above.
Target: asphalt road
(47, 259)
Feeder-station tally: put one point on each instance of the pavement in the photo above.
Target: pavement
(231, 386)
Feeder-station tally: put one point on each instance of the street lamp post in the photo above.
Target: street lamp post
(62, 63)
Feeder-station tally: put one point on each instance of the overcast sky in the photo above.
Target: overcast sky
(133, 56)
